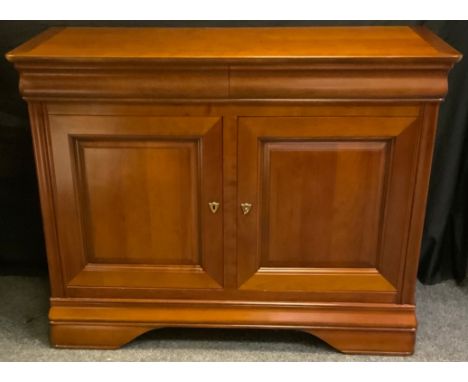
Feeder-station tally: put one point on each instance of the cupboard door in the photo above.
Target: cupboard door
(133, 198)
(324, 203)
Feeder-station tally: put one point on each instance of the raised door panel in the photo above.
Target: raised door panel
(330, 202)
(154, 185)
(132, 200)
(322, 203)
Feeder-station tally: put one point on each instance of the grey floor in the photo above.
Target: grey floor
(442, 334)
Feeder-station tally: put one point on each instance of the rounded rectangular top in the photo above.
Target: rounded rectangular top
(236, 44)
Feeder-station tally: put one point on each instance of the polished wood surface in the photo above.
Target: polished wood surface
(161, 174)
(234, 63)
(293, 43)
(357, 328)
(234, 177)
(143, 187)
(338, 194)
(327, 195)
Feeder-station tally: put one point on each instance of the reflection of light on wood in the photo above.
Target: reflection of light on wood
(234, 177)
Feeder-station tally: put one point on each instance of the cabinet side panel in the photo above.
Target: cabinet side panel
(429, 127)
(397, 216)
(39, 131)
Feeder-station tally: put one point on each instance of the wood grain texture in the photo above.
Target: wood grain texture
(368, 341)
(351, 341)
(350, 82)
(141, 199)
(327, 132)
(239, 63)
(353, 202)
(230, 206)
(136, 191)
(94, 336)
(234, 43)
(258, 108)
(355, 328)
(219, 82)
(75, 290)
(41, 144)
(333, 216)
(253, 313)
(426, 147)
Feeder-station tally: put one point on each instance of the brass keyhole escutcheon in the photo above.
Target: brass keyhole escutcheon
(213, 206)
(246, 207)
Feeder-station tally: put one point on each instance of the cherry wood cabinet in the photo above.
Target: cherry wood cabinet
(234, 177)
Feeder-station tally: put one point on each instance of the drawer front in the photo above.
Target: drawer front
(133, 198)
(328, 203)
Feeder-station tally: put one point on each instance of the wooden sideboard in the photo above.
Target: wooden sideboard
(234, 177)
